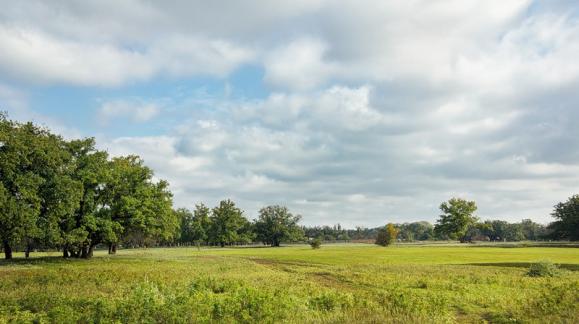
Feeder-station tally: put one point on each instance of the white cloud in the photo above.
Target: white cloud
(298, 65)
(136, 110)
(37, 57)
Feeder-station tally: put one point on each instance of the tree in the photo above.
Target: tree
(195, 226)
(387, 235)
(133, 204)
(416, 231)
(30, 158)
(84, 228)
(228, 225)
(276, 224)
(567, 224)
(316, 243)
(456, 219)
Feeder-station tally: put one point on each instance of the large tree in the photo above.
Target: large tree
(567, 224)
(135, 205)
(276, 224)
(31, 161)
(456, 218)
(84, 228)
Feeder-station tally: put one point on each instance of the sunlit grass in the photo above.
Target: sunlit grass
(337, 283)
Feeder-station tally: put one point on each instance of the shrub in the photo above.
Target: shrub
(330, 301)
(316, 244)
(543, 269)
(387, 235)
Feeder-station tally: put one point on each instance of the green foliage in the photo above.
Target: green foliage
(195, 227)
(543, 268)
(567, 224)
(228, 225)
(276, 224)
(457, 217)
(66, 194)
(316, 243)
(416, 231)
(330, 301)
(387, 235)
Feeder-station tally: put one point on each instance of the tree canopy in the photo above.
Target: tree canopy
(456, 218)
(68, 195)
(566, 214)
(276, 225)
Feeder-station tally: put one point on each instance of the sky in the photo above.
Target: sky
(352, 112)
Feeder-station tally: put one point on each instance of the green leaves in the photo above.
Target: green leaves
(567, 215)
(456, 219)
(57, 193)
(276, 224)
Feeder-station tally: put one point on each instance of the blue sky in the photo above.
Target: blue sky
(351, 112)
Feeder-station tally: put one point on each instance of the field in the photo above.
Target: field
(337, 283)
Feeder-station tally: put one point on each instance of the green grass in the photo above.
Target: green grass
(337, 283)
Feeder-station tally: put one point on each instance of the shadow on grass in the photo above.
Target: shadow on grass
(41, 260)
(526, 265)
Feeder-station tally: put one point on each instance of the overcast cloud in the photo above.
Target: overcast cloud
(372, 111)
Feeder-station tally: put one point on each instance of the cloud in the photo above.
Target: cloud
(374, 111)
(36, 57)
(298, 65)
(136, 110)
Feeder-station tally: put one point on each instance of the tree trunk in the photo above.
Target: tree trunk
(84, 252)
(112, 249)
(65, 253)
(90, 251)
(7, 250)
(27, 251)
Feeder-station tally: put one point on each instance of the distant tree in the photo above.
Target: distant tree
(420, 231)
(567, 224)
(228, 225)
(533, 231)
(276, 225)
(185, 217)
(195, 226)
(457, 217)
(387, 235)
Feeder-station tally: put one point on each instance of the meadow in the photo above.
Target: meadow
(336, 284)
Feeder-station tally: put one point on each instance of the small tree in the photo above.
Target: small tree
(457, 217)
(316, 243)
(387, 235)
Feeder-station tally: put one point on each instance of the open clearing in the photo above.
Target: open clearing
(337, 283)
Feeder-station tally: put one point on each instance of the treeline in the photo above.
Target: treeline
(495, 230)
(226, 225)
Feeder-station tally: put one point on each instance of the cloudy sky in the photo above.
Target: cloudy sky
(351, 112)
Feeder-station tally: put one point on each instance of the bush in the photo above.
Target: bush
(543, 269)
(316, 244)
(387, 235)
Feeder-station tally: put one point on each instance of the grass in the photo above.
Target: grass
(335, 284)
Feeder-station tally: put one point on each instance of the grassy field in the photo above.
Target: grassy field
(337, 283)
